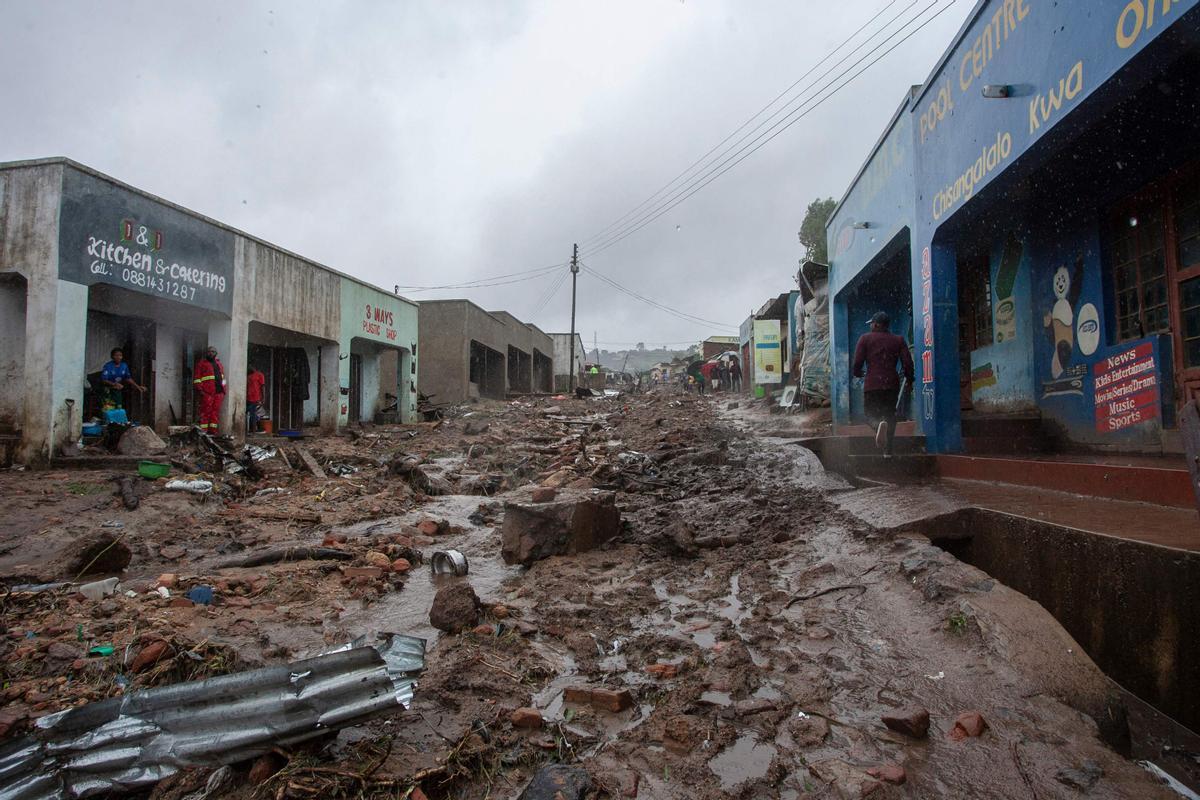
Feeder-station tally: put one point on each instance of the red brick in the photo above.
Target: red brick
(544, 494)
(612, 699)
(968, 724)
(167, 579)
(912, 721)
(428, 527)
(664, 671)
(888, 773)
(526, 718)
(150, 655)
(401, 565)
(577, 694)
(180, 602)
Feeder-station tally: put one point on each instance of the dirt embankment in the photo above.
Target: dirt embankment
(740, 637)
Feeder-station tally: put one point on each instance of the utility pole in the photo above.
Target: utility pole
(574, 278)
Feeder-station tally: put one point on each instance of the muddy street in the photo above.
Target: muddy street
(665, 601)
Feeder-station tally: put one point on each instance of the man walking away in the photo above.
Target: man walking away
(880, 352)
(209, 380)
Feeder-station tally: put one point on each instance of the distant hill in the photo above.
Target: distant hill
(639, 360)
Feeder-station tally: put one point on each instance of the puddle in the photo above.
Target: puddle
(767, 692)
(747, 759)
(407, 611)
(734, 611)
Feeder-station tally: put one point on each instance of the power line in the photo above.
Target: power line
(740, 128)
(779, 127)
(548, 295)
(493, 280)
(683, 315)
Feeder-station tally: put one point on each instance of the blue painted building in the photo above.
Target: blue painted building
(1030, 219)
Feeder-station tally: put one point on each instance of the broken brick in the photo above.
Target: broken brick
(912, 721)
(526, 718)
(378, 559)
(611, 699)
(167, 580)
(401, 565)
(889, 773)
(968, 724)
(544, 494)
(370, 573)
(664, 671)
(150, 655)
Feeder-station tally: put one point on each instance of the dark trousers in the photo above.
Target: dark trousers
(880, 404)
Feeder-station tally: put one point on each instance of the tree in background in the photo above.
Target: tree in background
(812, 230)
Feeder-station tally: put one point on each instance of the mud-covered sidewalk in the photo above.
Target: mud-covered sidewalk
(741, 635)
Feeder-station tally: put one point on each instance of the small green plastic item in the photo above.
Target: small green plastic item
(102, 650)
(153, 469)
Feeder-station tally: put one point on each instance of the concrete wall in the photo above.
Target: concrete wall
(444, 350)
(29, 208)
(562, 359)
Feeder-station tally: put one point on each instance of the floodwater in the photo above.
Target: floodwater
(747, 759)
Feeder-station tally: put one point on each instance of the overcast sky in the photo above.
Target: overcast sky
(429, 143)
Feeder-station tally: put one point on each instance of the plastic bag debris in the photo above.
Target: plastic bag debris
(195, 486)
(98, 590)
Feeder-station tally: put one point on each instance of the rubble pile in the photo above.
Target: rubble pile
(621, 597)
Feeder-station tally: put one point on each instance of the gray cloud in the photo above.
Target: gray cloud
(429, 143)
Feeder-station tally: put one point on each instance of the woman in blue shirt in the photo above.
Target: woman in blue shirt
(113, 377)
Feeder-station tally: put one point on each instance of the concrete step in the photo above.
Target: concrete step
(989, 426)
(910, 468)
(1004, 445)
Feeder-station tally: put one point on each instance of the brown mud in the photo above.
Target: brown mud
(761, 630)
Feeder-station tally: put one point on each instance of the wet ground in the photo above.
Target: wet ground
(760, 626)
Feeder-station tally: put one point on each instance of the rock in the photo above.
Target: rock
(680, 535)
(683, 732)
(455, 608)
(11, 716)
(140, 441)
(526, 718)
(888, 773)
(544, 494)
(94, 554)
(332, 539)
(563, 527)
(912, 721)
(558, 782)
(264, 767)
(369, 573)
(483, 630)
(753, 705)
(61, 651)
(150, 655)
(168, 580)
(474, 428)
(180, 602)
(809, 731)
(663, 671)
(430, 527)
(968, 724)
(401, 565)
(1082, 779)
(848, 781)
(499, 611)
(172, 552)
(559, 479)
(578, 695)
(377, 559)
(546, 412)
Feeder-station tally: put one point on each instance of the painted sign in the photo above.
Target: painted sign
(982, 377)
(379, 322)
(1005, 312)
(768, 351)
(1126, 388)
(965, 138)
(111, 235)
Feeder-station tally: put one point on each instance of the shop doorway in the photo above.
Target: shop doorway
(136, 339)
(13, 292)
(974, 317)
(356, 387)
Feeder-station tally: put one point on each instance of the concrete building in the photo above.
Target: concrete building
(562, 360)
(88, 263)
(1030, 219)
(715, 345)
(470, 353)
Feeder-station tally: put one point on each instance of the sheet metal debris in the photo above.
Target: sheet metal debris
(129, 742)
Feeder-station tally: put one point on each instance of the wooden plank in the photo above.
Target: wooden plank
(311, 463)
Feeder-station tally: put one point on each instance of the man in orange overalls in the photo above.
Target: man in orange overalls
(209, 380)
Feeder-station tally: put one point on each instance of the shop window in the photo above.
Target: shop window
(1140, 272)
(1187, 223)
(1189, 312)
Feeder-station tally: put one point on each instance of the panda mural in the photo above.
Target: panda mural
(1059, 323)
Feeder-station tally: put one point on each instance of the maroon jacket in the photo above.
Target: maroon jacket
(879, 351)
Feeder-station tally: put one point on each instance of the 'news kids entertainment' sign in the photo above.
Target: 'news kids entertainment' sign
(115, 236)
(1126, 389)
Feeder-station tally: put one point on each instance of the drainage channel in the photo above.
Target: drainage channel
(1131, 606)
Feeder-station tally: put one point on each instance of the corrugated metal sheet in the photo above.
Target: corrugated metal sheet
(137, 740)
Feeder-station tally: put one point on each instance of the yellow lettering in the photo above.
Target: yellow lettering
(1125, 37)
(1075, 80)
(964, 83)
(1022, 11)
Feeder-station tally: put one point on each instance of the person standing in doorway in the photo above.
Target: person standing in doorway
(255, 381)
(209, 380)
(880, 352)
(114, 377)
